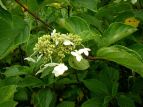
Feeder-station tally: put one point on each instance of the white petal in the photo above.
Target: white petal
(78, 58)
(54, 31)
(59, 69)
(68, 42)
(57, 42)
(77, 55)
(74, 53)
(85, 51)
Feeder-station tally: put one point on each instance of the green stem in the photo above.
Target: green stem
(35, 16)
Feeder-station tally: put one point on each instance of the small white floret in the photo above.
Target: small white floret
(85, 51)
(77, 55)
(68, 42)
(59, 70)
(54, 31)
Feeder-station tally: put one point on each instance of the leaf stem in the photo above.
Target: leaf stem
(32, 14)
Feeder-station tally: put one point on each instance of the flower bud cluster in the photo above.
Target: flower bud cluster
(56, 45)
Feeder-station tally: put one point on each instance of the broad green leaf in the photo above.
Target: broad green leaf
(66, 104)
(21, 94)
(94, 21)
(32, 5)
(139, 15)
(124, 101)
(10, 81)
(30, 81)
(96, 86)
(93, 102)
(138, 48)
(44, 98)
(89, 35)
(9, 103)
(89, 4)
(116, 32)
(7, 92)
(82, 65)
(109, 76)
(113, 9)
(16, 70)
(46, 72)
(107, 99)
(74, 24)
(123, 56)
(13, 31)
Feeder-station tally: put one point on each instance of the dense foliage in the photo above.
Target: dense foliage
(71, 53)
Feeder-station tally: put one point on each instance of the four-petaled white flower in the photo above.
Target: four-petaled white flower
(30, 59)
(77, 55)
(67, 42)
(59, 69)
(85, 51)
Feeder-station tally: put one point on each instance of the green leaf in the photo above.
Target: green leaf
(96, 86)
(138, 48)
(32, 5)
(21, 94)
(82, 65)
(7, 92)
(125, 101)
(113, 9)
(123, 56)
(30, 81)
(44, 98)
(109, 76)
(116, 32)
(46, 72)
(89, 35)
(107, 99)
(10, 81)
(115, 88)
(16, 70)
(9, 103)
(89, 4)
(74, 24)
(94, 102)
(66, 104)
(13, 30)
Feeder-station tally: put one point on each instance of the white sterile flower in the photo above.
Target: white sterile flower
(85, 51)
(77, 55)
(54, 31)
(68, 42)
(30, 59)
(59, 69)
(133, 1)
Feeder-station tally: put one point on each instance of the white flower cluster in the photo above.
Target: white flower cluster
(60, 68)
